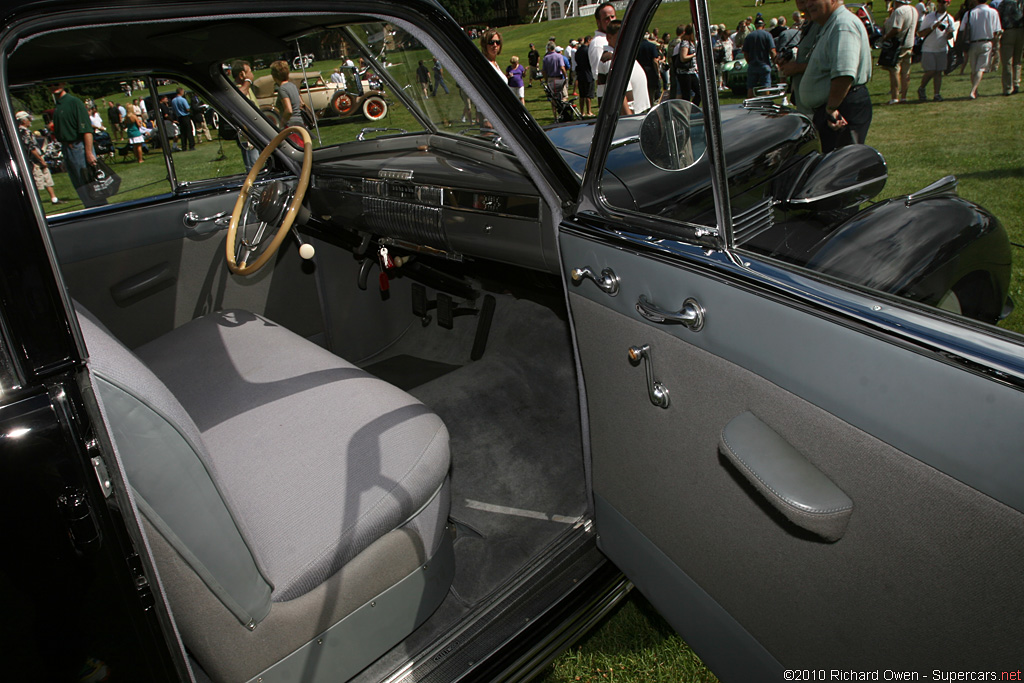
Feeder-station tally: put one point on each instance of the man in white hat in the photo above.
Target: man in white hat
(40, 171)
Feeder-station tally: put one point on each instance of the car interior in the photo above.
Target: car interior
(348, 464)
(326, 459)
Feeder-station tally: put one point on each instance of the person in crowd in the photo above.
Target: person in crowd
(97, 121)
(684, 70)
(338, 77)
(902, 27)
(114, 119)
(73, 130)
(723, 55)
(133, 128)
(438, 78)
(198, 119)
(1011, 43)
(779, 28)
(515, 72)
(793, 69)
(833, 84)
(241, 73)
(490, 44)
(570, 64)
(636, 99)
(584, 77)
(984, 29)
(533, 59)
(40, 171)
(604, 14)
(759, 51)
(744, 27)
(936, 29)
(289, 103)
(553, 67)
(183, 117)
(648, 56)
(423, 78)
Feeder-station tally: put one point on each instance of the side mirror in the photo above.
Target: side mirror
(672, 135)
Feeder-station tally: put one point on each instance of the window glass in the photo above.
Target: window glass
(53, 123)
(362, 80)
(193, 126)
(863, 199)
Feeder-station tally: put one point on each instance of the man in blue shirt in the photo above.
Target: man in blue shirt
(183, 115)
(759, 51)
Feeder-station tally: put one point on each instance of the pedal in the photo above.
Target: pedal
(445, 311)
(419, 300)
(483, 328)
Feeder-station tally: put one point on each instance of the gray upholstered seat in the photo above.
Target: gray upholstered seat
(285, 489)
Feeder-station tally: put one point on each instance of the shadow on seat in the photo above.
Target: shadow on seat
(295, 505)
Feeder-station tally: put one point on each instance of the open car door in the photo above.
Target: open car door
(808, 480)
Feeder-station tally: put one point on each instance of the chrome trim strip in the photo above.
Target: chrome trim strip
(843, 190)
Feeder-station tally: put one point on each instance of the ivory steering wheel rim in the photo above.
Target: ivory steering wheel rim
(246, 268)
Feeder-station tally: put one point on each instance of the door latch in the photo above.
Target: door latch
(656, 391)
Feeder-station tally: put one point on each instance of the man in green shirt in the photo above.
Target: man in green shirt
(73, 130)
(833, 82)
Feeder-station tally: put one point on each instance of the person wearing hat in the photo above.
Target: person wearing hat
(936, 29)
(73, 130)
(40, 171)
(759, 51)
(554, 74)
(901, 26)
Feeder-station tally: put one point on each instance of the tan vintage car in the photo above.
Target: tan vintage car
(324, 98)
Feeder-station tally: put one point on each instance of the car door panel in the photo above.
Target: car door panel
(143, 273)
(927, 572)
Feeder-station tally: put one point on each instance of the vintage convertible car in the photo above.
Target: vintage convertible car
(324, 98)
(423, 402)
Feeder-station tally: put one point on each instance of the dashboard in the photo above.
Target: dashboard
(436, 194)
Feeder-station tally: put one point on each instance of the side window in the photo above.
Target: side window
(193, 128)
(58, 123)
(876, 198)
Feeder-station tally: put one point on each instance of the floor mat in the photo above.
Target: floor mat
(407, 372)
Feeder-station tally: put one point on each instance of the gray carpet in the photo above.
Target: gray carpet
(513, 416)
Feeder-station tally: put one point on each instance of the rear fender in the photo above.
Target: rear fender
(923, 250)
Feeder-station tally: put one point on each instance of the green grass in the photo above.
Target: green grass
(633, 644)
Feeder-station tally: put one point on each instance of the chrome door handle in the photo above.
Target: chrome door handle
(691, 315)
(656, 391)
(608, 281)
(192, 221)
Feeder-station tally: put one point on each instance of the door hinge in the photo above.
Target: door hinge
(100, 468)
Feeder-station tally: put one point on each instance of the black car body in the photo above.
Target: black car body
(725, 382)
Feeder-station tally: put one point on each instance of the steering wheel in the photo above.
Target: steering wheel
(270, 208)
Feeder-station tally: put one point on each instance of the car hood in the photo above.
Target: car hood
(759, 145)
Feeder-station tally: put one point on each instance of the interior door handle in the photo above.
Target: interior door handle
(608, 281)
(691, 315)
(216, 221)
(795, 487)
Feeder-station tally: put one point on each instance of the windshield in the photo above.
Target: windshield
(360, 81)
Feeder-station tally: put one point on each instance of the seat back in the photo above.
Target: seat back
(166, 465)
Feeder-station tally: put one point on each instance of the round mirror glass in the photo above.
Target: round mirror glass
(672, 135)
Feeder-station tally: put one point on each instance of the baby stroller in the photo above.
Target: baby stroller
(565, 110)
